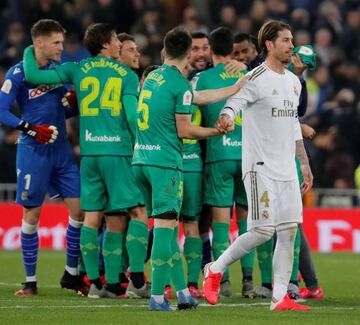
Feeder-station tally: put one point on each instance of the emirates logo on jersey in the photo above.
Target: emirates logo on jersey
(41, 90)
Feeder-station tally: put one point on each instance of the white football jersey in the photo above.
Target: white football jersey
(269, 101)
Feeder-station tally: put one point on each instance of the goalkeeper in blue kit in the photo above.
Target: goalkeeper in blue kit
(45, 162)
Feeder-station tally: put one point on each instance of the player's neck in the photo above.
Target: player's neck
(181, 65)
(219, 59)
(41, 59)
(275, 65)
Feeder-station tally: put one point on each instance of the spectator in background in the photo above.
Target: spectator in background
(258, 14)
(149, 26)
(244, 25)
(278, 9)
(228, 17)
(323, 43)
(74, 50)
(302, 37)
(8, 155)
(120, 14)
(13, 45)
(350, 37)
(192, 21)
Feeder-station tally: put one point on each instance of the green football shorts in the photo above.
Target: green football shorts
(223, 184)
(162, 189)
(107, 184)
(193, 196)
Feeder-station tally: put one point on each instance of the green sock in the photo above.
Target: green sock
(295, 270)
(112, 250)
(89, 245)
(136, 244)
(247, 261)
(177, 270)
(265, 256)
(193, 255)
(124, 256)
(161, 255)
(220, 242)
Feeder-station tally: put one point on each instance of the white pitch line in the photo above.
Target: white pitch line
(6, 284)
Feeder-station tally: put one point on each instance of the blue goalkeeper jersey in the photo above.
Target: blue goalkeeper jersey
(39, 104)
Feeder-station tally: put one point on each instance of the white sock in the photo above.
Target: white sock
(75, 223)
(72, 270)
(158, 298)
(28, 228)
(242, 246)
(185, 292)
(283, 259)
(30, 278)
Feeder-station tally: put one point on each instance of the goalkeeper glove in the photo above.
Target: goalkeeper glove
(69, 100)
(42, 133)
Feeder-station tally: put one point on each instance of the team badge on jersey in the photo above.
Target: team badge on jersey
(6, 87)
(296, 91)
(24, 195)
(187, 98)
(265, 214)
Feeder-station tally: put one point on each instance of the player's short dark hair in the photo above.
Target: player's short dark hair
(148, 69)
(221, 41)
(125, 37)
(269, 32)
(45, 27)
(199, 35)
(241, 37)
(96, 35)
(177, 43)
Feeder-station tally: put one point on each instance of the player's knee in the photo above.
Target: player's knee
(28, 228)
(139, 214)
(264, 232)
(191, 228)
(289, 226)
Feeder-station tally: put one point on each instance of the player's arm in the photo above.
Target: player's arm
(33, 74)
(187, 130)
(235, 66)
(303, 158)
(9, 91)
(130, 106)
(208, 96)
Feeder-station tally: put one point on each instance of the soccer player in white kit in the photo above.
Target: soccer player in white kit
(271, 139)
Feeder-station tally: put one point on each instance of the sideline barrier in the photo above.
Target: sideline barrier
(327, 230)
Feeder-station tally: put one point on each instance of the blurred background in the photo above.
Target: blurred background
(332, 27)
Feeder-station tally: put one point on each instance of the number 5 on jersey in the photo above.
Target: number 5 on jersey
(143, 110)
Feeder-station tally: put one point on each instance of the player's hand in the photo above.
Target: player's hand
(307, 131)
(42, 133)
(69, 100)
(299, 66)
(241, 82)
(308, 178)
(234, 67)
(225, 124)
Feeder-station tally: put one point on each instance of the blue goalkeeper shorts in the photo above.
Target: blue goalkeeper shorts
(45, 168)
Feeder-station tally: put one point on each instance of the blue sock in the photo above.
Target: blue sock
(30, 246)
(206, 250)
(73, 246)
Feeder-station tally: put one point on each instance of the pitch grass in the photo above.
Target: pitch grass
(339, 276)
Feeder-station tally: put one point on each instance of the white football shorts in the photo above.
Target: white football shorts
(272, 202)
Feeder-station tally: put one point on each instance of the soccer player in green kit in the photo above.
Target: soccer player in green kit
(107, 98)
(164, 117)
(223, 183)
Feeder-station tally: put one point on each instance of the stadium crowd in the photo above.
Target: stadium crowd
(331, 26)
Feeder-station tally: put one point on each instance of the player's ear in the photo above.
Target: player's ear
(269, 44)
(38, 42)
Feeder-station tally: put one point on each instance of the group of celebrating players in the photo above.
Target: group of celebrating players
(141, 157)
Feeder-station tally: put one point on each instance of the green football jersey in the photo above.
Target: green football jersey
(227, 146)
(165, 93)
(100, 84)
(192, 161)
